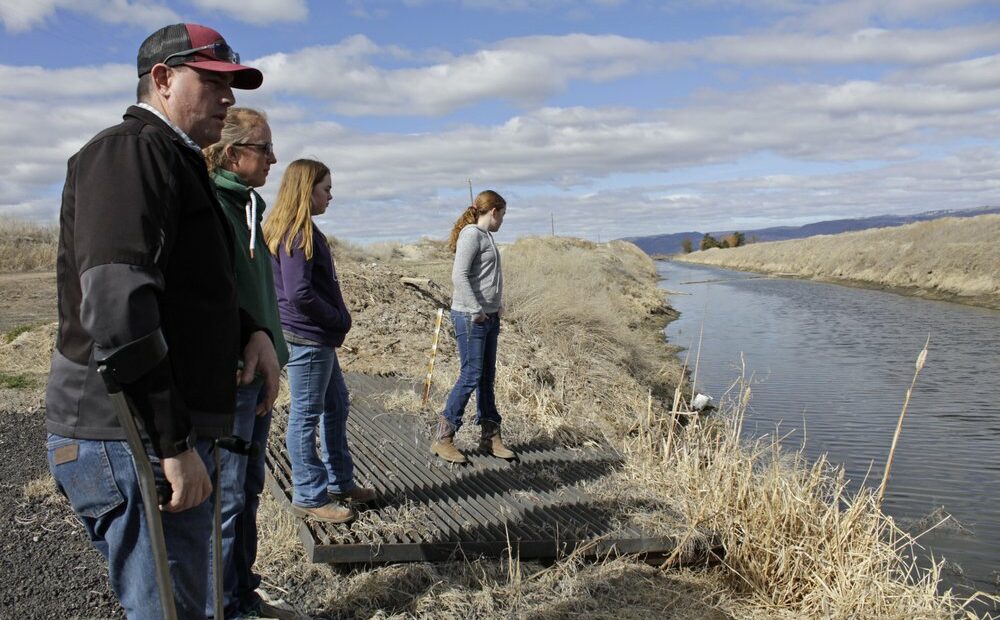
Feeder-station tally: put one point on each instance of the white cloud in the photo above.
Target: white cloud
(574, 148)
(527, 70)
(523, 70)
(869, 45)
(20, 16)
(973, 74)
(38, 82)
(401, 184)
(23, 15)
(257, 11)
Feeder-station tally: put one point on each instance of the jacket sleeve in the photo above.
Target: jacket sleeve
(297, 274)
(249, 325)
(123, 232)
(466, 251)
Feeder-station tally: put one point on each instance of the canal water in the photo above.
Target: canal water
(829, 366)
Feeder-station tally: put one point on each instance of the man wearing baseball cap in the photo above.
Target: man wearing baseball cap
(146, 255)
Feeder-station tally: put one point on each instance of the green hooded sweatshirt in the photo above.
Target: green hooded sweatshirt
(254, 278)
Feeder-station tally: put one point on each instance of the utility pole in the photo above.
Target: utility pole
(553, 218)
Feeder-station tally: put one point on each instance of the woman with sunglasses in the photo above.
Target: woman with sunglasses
(238, 164)
(316, 321)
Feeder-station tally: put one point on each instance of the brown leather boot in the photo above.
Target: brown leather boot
(444, 443)
(360, 495)
(334, 512)
(491, 442)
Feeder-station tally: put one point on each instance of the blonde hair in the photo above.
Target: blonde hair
(292, 211)
(240, 123)
(485, 201)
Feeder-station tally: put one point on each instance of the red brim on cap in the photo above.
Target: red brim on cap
(244, 78)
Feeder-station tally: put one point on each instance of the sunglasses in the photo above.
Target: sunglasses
(220, 50)
(267, 147)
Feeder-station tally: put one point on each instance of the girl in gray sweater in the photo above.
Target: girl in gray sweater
(476, 308)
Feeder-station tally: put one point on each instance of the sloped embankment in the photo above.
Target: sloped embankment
(953, 259)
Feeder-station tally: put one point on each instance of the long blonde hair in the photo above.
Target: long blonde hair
(485, 201)
(240, 123)
(292, 211)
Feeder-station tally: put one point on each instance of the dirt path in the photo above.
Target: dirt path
(27, 299)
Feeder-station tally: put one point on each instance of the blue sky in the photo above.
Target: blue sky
(612, 117)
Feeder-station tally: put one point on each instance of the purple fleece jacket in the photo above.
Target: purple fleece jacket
(309, 299)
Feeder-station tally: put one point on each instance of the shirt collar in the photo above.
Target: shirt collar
(186, 138)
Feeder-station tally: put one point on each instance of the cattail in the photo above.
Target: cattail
(921, 359)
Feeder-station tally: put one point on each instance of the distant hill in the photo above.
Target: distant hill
(671, 243)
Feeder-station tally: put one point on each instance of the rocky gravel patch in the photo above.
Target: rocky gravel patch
(48, 569)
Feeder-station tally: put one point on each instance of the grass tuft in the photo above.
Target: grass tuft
(12, 335)
(15, 382)
(27, 246)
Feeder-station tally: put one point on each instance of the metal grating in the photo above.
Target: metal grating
(430, 510)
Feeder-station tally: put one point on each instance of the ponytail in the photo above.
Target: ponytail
(486, 201)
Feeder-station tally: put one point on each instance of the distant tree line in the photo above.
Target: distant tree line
(732, 240)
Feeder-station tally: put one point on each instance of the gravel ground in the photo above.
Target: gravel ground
(48, 569)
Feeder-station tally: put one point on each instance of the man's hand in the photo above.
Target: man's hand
(189, 481)
(259, 359)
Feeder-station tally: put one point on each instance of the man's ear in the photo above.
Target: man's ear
(161, 76)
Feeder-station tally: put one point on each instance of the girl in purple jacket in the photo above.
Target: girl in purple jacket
(314, 321)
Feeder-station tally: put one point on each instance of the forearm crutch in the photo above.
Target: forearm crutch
(123, 366)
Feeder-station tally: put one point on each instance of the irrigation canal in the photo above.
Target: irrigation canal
(830, 366)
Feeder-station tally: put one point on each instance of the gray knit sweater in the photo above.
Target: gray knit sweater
(476, 274)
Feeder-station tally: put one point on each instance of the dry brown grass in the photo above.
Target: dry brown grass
(41, 489)
(24, 366)
(582, 357)
(25, 246)
(797, 545)
(572, 587)
(950, 258)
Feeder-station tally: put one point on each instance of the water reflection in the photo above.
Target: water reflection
(831, 364)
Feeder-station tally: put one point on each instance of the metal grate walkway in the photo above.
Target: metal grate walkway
(430, 510)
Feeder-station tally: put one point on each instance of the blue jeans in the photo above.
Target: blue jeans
(239, 504)
(319, 401)
(477, 351)
(245, 546)
(99, 479)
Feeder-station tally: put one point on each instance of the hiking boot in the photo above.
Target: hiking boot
(444, 443)
(490, 441)
(334, 512)
(360, 495)
(265, 607)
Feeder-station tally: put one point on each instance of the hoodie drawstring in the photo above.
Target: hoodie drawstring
(251, 211)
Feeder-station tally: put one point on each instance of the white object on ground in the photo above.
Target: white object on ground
(700, 401)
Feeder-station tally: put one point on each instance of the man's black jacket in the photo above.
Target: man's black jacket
(143, 246)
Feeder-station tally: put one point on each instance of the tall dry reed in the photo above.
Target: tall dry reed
(796, 543)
